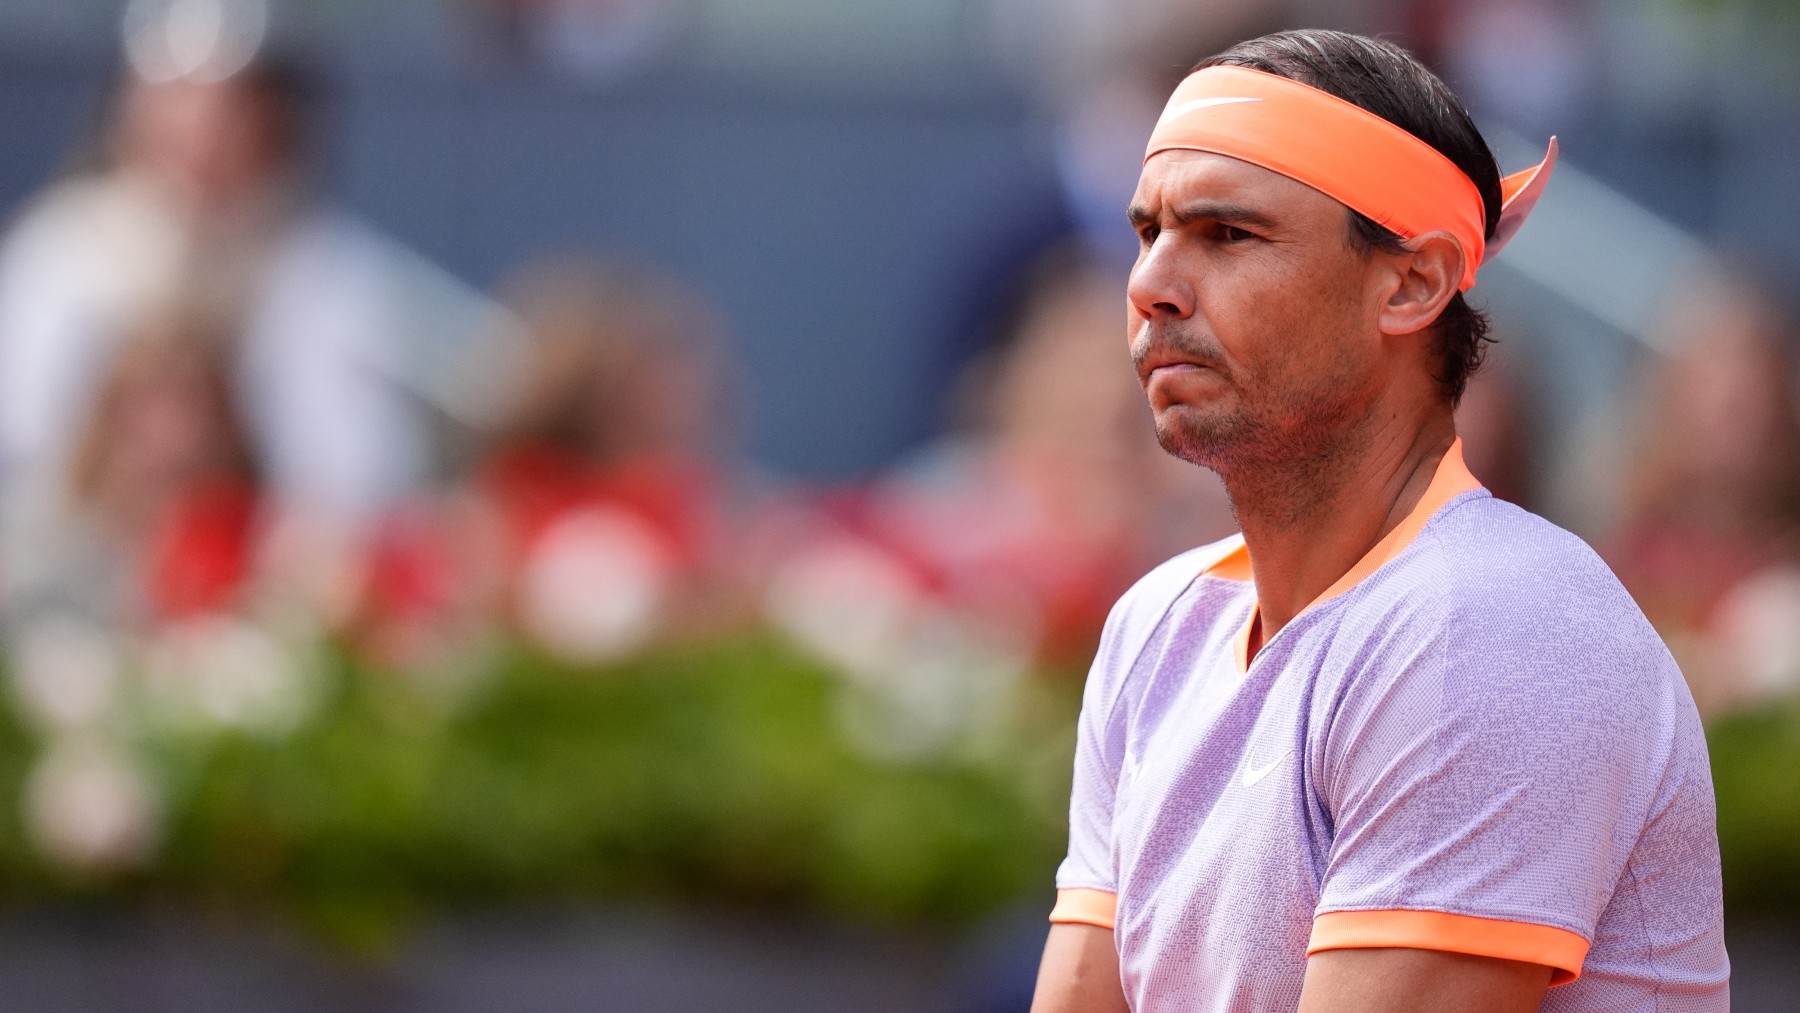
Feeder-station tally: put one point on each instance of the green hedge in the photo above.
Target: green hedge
(1756, 776)
(715, 772)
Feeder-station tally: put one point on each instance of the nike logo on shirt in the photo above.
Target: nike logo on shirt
(1255, 774)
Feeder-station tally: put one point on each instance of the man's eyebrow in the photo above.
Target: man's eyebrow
(1218, 211)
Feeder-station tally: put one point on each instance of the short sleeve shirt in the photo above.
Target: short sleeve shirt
(1474, 742)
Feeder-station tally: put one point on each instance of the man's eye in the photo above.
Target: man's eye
(1233, 234)
(1147, 235)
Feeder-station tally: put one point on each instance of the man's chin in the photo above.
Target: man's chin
(1193, 437)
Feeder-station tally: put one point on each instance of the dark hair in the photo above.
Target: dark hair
(1387, 81)
(285, 82)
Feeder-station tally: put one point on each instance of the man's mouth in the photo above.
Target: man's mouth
(1171, 368)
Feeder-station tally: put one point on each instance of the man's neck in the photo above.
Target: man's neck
(1307, 527)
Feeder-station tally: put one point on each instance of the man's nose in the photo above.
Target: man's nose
(1158, 286)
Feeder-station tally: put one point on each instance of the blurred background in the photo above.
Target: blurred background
(606, 504)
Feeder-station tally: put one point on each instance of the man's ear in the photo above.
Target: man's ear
(1430, 270)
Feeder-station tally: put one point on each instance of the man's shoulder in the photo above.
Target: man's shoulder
(1142, 610)
(1502, 582)
(1486, 552)
(1157, 590)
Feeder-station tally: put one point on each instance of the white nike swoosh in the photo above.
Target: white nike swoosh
(1255, 774)
(1202, 103)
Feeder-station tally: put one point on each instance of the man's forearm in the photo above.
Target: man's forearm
(1080, 972)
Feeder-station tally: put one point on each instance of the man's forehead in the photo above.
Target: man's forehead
(1181, 176)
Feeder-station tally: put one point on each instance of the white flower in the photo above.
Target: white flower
(924, 680)
(65, 672)
(948, 688)
(596, 585)
(1758, 634)
(88, 807)
(849, 602)
(224, 671)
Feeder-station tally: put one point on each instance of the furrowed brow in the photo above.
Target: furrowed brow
(1231, 214)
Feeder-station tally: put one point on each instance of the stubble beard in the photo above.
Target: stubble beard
(1281, 450)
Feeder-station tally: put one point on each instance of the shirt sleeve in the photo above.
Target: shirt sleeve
(1485, 777)
(1086, 881)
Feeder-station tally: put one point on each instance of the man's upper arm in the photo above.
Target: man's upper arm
(1080, 972)
(1409, 980)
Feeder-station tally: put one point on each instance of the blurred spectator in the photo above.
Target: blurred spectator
(1056, 457)
(610, 479)
(1709, 534)
(134, 591)
(347, 348)
(154, 517)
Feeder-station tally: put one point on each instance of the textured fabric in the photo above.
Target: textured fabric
(1484, 726)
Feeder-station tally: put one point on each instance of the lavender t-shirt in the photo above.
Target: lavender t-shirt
(1480, 746)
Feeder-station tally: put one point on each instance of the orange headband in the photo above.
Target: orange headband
(1344, 152)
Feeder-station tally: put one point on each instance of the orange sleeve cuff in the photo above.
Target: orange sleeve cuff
(1085, 907)
(1556, 948)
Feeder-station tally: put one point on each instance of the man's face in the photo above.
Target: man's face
(212, 143)
(1252, 319)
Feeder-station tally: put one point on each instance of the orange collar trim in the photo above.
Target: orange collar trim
(1451, 480)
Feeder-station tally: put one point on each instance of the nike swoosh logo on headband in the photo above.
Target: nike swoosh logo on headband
(1198, 104)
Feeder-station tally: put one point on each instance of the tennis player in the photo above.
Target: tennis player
(1399, 746)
